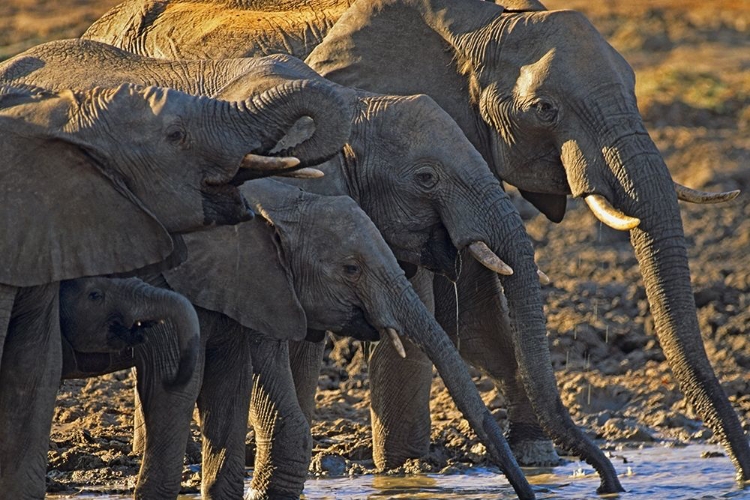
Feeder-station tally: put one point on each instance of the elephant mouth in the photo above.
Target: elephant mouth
(123, 337)
(359, 328)
(224, 205)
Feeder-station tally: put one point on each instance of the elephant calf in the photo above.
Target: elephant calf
(255, 286)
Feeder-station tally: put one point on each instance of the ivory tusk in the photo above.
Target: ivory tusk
(393, 335)
(258, 162)
(304, 173)
(605, 212)
(685, 193)
(543, 278)
(480, 251)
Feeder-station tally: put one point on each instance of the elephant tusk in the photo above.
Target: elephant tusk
(304, 173)
(393, 335)
(605, 212)
(685, 193)
(480, 251)
(263, 163)
(543, 278)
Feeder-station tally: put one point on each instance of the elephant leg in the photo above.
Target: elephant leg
(400, 395)
(484, 340)
(224, 403)
(166, 416)
(306, 359)
(282, 434)
(29, 379)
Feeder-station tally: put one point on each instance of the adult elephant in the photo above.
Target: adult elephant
(426, 188)
(551, 106)
(310, 286)
(96, 182)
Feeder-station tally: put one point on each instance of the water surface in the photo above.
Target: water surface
(656, 472)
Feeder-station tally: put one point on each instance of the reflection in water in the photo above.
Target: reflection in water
(649, 473)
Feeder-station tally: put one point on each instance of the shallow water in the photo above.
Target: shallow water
(655, 472)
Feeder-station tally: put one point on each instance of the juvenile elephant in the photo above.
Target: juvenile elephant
(551, 106)
(309, 285)
(428, 191)
(96, 182)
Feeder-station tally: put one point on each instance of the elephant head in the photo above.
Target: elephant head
(340, 275)
(107, 315)
(87, 175)
(551, 106)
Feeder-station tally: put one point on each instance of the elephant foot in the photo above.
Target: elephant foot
(536, 453)
(253, 494)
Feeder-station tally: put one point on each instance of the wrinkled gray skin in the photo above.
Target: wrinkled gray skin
(109, 324)
(423, 184)
(551, 106)
(355, 286)
(95, 182)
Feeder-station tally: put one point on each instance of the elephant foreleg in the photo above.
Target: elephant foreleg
(7, 297)
(282, 434)
(400, 395)
(29, 378)
(305, 360)
(166, 416)
(224, 403)
(484, 340)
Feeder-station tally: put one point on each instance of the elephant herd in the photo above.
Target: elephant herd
(135, 244)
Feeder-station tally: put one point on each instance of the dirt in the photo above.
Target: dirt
(692, 61)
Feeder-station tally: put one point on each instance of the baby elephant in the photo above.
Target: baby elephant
(109, 324)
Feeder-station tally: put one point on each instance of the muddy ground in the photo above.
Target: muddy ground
(693, 67)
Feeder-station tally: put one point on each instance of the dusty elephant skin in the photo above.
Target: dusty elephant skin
(534, 114)
(86, 204)
(409, 167)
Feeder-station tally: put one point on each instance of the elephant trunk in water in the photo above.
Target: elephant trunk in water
(165, 306)
(660, 248)
(279, 108)
(413, 321)
(510, 242)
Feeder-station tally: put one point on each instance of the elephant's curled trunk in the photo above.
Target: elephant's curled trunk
(279, 108)
(179, 317)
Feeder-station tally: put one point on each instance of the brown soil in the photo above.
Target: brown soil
(693, 65)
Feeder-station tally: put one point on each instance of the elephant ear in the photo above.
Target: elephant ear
(551, 205)
(241, 271)
(423, 53)
(63, 216)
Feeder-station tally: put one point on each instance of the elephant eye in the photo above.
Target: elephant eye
(176, 135)
(545, 111)
(96, 296)
(352, 271)
(426, 177)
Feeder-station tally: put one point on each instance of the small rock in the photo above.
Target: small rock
(712, 454)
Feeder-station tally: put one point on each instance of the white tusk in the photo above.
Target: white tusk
(304, 173)
(605, 212)
(543, 278)
(480, 251)
(685, 193)
(393, 335)
(258, 162)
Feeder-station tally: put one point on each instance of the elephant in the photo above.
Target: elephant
(104, 181)
(551, 107)
(427, 190)
(309, 286)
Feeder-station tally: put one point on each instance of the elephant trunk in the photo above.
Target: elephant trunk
(502, 229)
(165, 306)
(660, 248)
(273, 113)
(417, 324)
